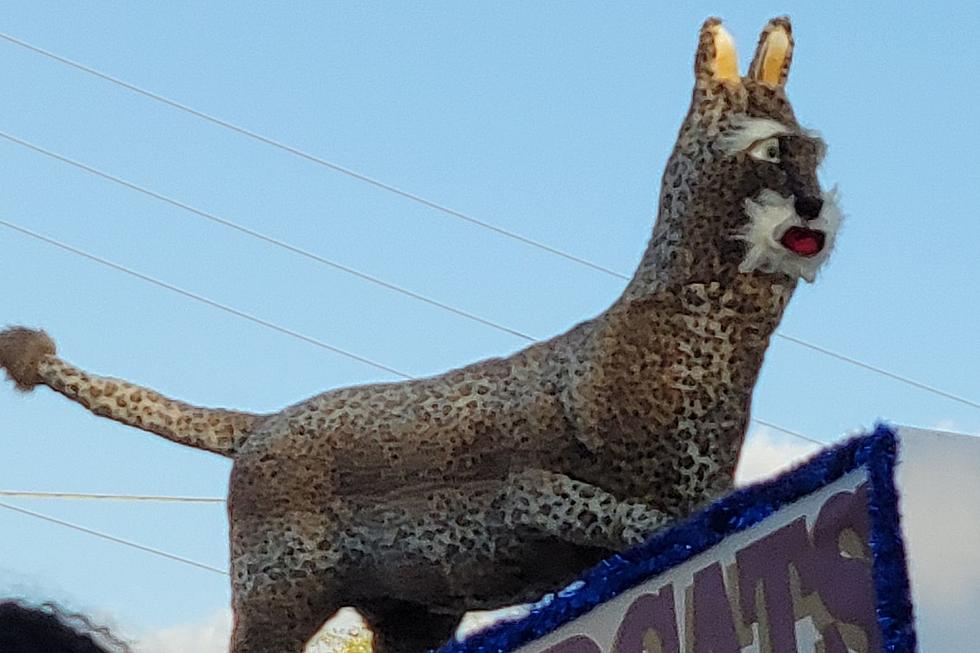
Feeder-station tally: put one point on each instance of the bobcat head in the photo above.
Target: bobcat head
(740, 193)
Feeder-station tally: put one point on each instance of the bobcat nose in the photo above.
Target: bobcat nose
(808, 208)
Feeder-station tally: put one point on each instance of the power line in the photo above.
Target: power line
(263, 237)
(354, 174)
(313, 158)
(139, 275)
(113, 538)
(176, 499)
(421, 200)
(797, 434)
(414, 295)
(892, 375)
(156, 498)
(30, 494)
(24, 494)
(202, 299)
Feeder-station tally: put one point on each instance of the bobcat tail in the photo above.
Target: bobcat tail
(28, 356)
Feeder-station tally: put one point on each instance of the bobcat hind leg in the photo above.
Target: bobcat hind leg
(403, 627)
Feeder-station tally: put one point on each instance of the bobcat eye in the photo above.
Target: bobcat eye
(767, 150)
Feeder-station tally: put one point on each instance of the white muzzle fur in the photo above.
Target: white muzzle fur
(770, 216)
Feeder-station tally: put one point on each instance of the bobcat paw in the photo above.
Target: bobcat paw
(638, 522)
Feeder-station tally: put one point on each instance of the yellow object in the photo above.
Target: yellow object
(726, 58)
(775, 49)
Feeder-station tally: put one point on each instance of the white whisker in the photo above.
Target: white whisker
(770, 216)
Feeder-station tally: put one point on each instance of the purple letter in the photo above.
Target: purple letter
(766, 561)
(649, 612)
(844, 584)
(713, 626)
(576, 644)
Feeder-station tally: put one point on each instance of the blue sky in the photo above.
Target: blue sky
(546, 119)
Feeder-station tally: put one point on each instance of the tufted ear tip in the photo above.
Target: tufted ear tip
(716, 59)
(710, 23)
(782, 22)
(774, 53)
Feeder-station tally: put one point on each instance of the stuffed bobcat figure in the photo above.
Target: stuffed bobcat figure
(489, 485)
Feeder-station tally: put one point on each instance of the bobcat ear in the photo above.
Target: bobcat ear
(716, 60)
(774, 53)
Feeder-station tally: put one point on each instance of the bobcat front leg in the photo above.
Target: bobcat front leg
(580, 513)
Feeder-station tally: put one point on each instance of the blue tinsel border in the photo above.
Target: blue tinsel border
(731, 514)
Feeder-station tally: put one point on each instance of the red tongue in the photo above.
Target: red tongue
(803, 241)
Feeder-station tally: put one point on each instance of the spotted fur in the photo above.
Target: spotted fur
(488, 485)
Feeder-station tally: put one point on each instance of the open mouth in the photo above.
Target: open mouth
(803, 242)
